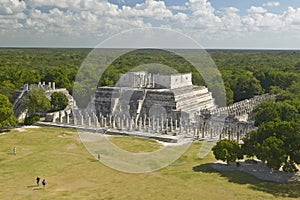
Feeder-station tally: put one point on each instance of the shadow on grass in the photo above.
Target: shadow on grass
(204, 168)
(93, 160)
(276, 189)
(37, 189)
(30, 186)
(4, 131)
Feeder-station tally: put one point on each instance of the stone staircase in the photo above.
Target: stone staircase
(192, 99)
(19, 103)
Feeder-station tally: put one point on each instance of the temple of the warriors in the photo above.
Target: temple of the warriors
(164, 107)
(142, 95)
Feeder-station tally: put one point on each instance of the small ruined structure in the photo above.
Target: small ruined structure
(20, 96)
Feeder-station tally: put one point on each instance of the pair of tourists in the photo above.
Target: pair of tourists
(38, 181)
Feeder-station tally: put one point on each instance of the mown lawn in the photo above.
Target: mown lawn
(72, 173)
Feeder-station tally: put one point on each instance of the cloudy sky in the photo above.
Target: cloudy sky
(212, 23)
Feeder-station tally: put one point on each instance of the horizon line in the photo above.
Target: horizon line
(85, 47)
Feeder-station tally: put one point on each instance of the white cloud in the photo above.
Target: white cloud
(10, 7)
(80, 19)
(203, 16)
(263, 22)
(254, 9)
(231, 10)
(200, 7)
(272, 4)
(150, 9)
(292, 17)
(232, 20)
(181, 8)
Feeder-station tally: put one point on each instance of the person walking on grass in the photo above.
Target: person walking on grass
(15, 150)
(38, 180)
(44, 183)
(98, 156)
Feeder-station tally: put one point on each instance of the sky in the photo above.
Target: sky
(230, 24)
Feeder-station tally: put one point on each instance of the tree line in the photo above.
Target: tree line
(277, 140)
(245, 73)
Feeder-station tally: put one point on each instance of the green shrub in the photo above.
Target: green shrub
(31, 119)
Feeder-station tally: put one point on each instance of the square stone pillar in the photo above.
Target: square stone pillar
(67, 118)
(105, 123)
(81, 118)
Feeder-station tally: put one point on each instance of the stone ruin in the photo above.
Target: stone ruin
(163, 107)
(20, 96)
(144, 95)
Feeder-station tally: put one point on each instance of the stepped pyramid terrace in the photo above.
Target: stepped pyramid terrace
(143, 95)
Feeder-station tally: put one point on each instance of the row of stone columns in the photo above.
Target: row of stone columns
(203, 127)
(154, 125)
(242, 107)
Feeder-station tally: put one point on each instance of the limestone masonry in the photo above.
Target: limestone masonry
(142, 94)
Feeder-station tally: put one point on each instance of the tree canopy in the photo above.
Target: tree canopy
(7, 117)
(227, 150)
(245, 72)
(37, 102)
(59, 101)
(277, 140)
(277, 143)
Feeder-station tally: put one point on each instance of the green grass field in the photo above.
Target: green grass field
(72, 173)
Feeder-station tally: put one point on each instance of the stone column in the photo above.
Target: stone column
(96, 121)
(144, 124)
(105, 122)
(81, 118)
(74, 120)
(67, 118)
(140, 124)
(153, 123)
(157, 125)
(136, 124)
(61, 115)
(100, 117)
(121, 123)
(128, 124)
(26, 87)
(102, 121)
(89, 120)
(203, 129)
(114, 123)
(187, 131)
(180, 128)
(149, 123)
(167, 124)
(131, 123)
(110, 121)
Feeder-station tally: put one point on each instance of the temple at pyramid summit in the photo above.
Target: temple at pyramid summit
(143, 95)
